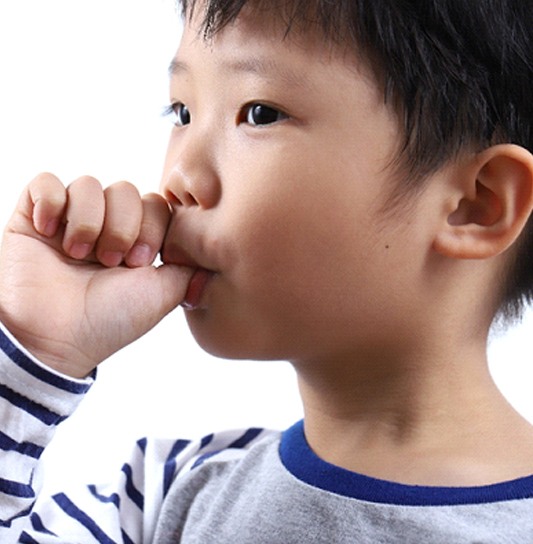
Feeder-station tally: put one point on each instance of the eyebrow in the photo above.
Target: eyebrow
(262, 67)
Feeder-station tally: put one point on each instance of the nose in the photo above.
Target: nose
(190, 177)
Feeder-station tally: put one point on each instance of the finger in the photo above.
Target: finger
(84, 216)
(173, 284)
(155, 218)
(163, 289)
(43, 202)
(122, 223)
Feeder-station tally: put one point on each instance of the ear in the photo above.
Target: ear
(492, 206)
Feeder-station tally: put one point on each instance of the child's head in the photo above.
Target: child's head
(458, 74)
(385, 99)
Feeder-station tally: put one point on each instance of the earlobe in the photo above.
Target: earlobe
(495, 204)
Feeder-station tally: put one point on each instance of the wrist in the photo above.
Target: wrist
(35, 360)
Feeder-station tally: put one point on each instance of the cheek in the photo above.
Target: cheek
(294, 249)
(293, 264)
(296, 231)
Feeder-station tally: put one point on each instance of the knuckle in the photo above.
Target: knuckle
(123, 187)
(46, 185)
(86, 182)
(155, 199)
(45, 177)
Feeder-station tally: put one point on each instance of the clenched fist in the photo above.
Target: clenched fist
(76, 275)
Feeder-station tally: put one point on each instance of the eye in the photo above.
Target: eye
(260, 114)
(179, 113)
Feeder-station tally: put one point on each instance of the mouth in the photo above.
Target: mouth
(196, 288)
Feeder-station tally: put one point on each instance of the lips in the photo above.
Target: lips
(195, 290)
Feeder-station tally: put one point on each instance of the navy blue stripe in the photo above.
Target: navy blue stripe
(206, 440)
(246, 438)
(201, 460)
(16, 489)
(82, 518)
(25, 538)
(113, 498)
(38, 525)
(133, 493)
(240, 443)
(23, 514)
(24, 362)
(33, 408)
(141, 444)
(126, 539)
(24, 448)
(170, 464)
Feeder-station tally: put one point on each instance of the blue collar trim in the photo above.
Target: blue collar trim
(304, 464)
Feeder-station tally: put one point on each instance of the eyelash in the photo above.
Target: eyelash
(274, 115)
(172, 110)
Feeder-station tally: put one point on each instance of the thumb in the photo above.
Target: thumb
(163, 293)
(141, 297)
(173, 283)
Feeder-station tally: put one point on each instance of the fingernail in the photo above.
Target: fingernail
(111, 258)
(140, 255)
(79, 250)
(51, 228)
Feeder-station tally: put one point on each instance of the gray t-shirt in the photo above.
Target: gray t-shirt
(280, 492)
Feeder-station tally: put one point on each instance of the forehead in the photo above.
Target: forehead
(256, 43)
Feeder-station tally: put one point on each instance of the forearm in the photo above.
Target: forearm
(33, 401)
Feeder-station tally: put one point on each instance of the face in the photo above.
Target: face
(277, 173)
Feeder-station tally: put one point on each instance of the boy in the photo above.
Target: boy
(317, 148)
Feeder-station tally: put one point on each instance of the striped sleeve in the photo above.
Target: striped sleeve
(33, 401)
(127, 510)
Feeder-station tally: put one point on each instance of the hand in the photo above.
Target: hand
(76, 283)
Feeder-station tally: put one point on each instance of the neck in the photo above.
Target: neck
(436, 418)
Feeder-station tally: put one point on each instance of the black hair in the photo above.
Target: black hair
(458, 72)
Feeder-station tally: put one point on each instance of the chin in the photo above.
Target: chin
(230, 342)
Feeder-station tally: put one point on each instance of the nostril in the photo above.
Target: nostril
(172, 199)
(189, 200)
(185, 199)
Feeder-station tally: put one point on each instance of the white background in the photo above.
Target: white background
(83, 83)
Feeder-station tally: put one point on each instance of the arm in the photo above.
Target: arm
(71, 303)
(123, 510)
(33, 401)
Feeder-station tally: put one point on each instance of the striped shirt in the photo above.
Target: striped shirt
(34, 400)
(227, 488)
